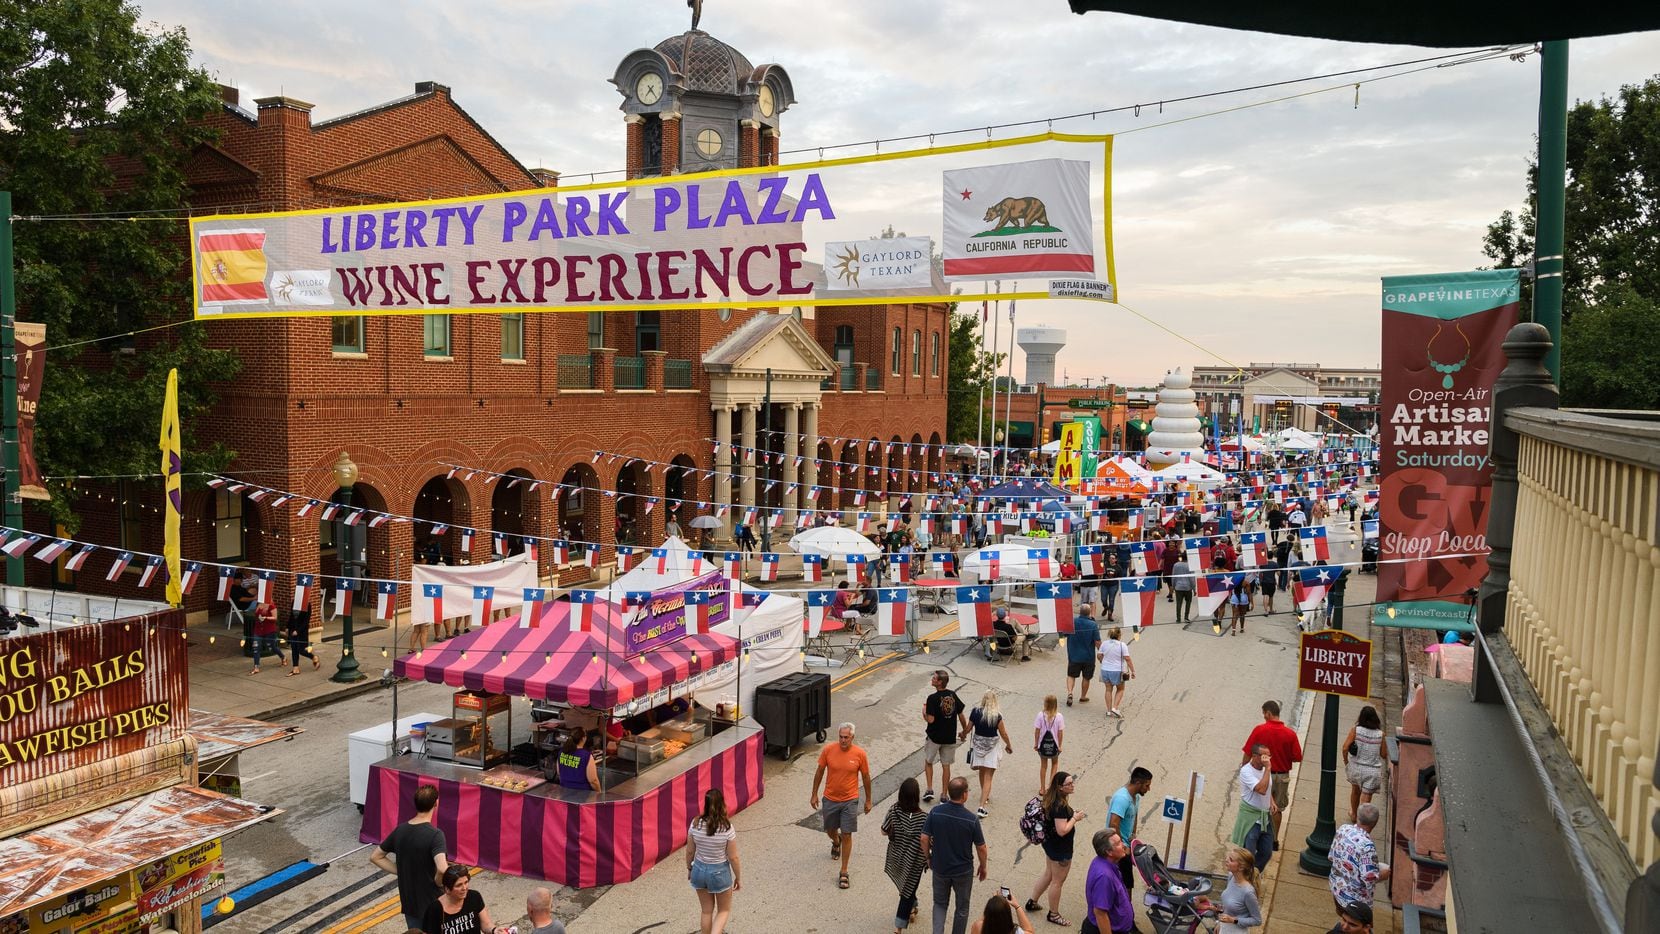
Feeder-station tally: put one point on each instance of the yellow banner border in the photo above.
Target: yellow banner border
(1104, 140)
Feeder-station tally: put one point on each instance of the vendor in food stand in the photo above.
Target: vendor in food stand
(576, 762)
(589, 719)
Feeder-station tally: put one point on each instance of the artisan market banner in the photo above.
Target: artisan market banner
(762, 237)
(662, 618)
(1442, 337)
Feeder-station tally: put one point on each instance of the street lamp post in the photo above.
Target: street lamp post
(1316, 858)
(352, 562)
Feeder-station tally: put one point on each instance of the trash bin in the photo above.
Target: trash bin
(792, 708)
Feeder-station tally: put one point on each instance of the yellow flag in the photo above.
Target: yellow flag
(1067, 463)
(172, 471)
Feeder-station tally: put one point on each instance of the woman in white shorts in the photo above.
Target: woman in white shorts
(985, 724)
(1116, 668)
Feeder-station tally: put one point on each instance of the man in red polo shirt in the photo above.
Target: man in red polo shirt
(1284, 749)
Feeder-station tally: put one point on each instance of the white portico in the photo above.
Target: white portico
(775, 470)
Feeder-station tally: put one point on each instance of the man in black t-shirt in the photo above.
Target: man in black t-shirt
(419, 848)
(944, 722)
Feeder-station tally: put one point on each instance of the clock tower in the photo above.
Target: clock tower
(695, 104)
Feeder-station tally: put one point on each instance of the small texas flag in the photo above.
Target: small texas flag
(943, 562)
(386, 599)
(1253, 550)
(75, 561)
(858, 568)
(1093, 559)
(302, 592)
(959, 524)
(862, 523)
(901, 567)
(225, 575)
(151, 566)
(189, 573)
(466, 541)
(484, 599)
(267, 579)
(533, 548)
(1039, 559)
(498, 543)
(769, 566)
(435, 593)
(1028, 522)
(625, 558)
(53, 549)
(696, 611)
(561, 551)
(1199, 552)
(662, 556)
(696, 558)
(17, 546)
(750, 599)
(974, 612)
(120, 566)
(818, 606)
(582, 610)
(634, 598)
(734, 565)
(1315, 547)
(1054, 605)
(1136, 598)
(749, 516)
(812, 568)
(994, 564)
(590, 556)
(1141, 555)
(343, 588)
(305, 510)
(1311, 585)
(1212, 590)
(1063, 525)
(536, 603)
(925, 523)
(891, 604)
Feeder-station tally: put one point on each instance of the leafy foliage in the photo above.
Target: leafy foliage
(97, 118)
(971, 372)
(1611, 283)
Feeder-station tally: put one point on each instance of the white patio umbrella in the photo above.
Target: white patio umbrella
(834, 541)
(1014, 562)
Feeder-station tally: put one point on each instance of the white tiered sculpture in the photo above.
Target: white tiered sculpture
(1175, 423)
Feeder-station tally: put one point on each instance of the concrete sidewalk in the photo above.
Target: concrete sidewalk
(1294, 901)
(220, 678)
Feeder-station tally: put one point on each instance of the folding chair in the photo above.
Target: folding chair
(235, 615)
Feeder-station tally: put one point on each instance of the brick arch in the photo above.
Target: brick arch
(589, 525)
(936, 454)
(634, 484)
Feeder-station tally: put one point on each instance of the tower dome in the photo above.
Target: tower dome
(706, 63)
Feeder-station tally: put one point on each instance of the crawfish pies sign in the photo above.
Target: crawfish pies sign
(77, 696)
(1333, 662)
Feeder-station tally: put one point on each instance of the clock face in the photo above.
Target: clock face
(649, 89)
(767, 102)
(709, 143)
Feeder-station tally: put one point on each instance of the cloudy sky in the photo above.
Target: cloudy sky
(1257, 235)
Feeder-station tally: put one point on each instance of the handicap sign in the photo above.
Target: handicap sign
(1174, 810)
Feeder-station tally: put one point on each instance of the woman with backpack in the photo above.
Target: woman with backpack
(1056, 834)
(985, 722)
(1048, 731)
(1239, 599)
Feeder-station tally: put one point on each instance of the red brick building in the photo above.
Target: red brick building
(531, 395)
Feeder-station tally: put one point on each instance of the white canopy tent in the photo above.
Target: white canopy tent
(773, 637)
(677, 568)
(1201, 475)
(834, 542)
(1014, 563)
(1296, 439)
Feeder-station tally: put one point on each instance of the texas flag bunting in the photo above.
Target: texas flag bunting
(386, 599)
(1039, 558)
(1310, 585)
(696, 611)
(901, 568)
(152, 565)
(343, 588)
(1136, 598)
(812, 568)
(484, 599)
(974, 612)
(17, 546)
(1315, 546)
(302, 592)
(818, 605)
(582, 610)
(53, 549)
(1054, 605)
(891, 604)
(225, 576)
(435, 593)
(1093, 560)
(994, 566)
(267, 579)
(769, 566)
(1211, 590)
(1253, 550)
(733, 563)
(120, 566)
(536, 604)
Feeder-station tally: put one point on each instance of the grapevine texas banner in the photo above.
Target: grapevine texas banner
(745, 238)
(1442, 353)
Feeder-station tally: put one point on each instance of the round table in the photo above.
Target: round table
(820, 644)
(934, 590)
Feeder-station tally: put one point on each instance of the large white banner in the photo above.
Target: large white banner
(509, 576)
(892, 263)
(1018, 219)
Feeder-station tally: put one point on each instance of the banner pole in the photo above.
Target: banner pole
(1187, 825)
(8, 386)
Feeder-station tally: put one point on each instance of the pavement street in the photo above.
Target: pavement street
(1196, 697)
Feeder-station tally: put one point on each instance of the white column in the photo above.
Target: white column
(809, 449)
(792, 444)
(721, 489)
(746, 422)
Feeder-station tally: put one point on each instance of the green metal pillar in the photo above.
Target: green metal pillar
(1553, 173)
(8, 384)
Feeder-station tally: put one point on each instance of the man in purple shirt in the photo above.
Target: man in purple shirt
(1110, 910)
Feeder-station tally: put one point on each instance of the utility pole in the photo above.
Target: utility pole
(8, 385)
(1553, 171)
(1008, 407)
(996, 318)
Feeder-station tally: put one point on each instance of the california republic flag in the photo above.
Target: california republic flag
(1023, 218)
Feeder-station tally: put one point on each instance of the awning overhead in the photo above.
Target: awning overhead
(1404, 22)
(219, 734)
(552, 663)
(100, 845)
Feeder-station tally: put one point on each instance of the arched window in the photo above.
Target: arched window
(898, 349)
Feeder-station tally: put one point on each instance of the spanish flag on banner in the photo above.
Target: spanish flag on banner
(172, 471)
(232, 267)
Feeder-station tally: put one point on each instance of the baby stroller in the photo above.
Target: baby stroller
(1176, 900)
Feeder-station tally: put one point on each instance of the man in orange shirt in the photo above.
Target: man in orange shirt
(845, 764)
(1284, 750)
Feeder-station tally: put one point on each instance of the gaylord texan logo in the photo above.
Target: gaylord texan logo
(847, 266)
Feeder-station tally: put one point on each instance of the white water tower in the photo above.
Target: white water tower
(1041, 344)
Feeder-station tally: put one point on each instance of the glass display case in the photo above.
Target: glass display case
(481, 725)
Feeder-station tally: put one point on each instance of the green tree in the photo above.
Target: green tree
(1611, 283)
(970, 372)
(97, 118)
